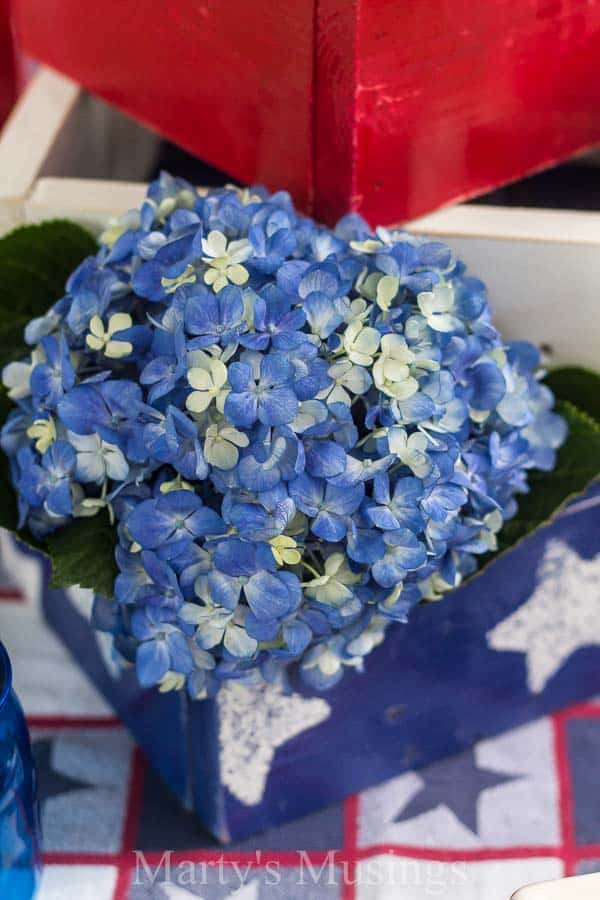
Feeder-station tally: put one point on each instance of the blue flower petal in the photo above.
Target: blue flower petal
(268, 597)
(241, 409)
(82, 410)
(325, 459)
(307, 494)
(279, 406)
(329, 527)
(224, 590)
(153, 661)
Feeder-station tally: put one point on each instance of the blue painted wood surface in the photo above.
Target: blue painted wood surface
(434, 687)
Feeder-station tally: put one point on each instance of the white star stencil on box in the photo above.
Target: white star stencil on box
(561, 615)
(253, 722)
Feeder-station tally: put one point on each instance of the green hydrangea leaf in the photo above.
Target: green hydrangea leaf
(11, 338)
(577, 464)
(50, 250)
(35, 263)
(83, 553)
(577, 385)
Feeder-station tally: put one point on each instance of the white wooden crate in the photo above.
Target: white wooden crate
(63, 153)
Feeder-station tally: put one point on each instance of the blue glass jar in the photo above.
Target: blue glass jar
(20, 857)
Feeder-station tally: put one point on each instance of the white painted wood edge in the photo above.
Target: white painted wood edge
(86, 199)
(107, 198)
(89, 201)
(31, 130)
(510, 224)
(582, 887)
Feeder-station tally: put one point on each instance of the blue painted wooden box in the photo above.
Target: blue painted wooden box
(519, 640)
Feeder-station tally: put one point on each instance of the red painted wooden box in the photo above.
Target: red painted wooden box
(8, 63)
(388, 107)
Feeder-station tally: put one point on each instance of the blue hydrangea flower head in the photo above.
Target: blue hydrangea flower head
(300, 433)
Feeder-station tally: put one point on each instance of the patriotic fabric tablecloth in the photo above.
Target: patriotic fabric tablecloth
(518, 808)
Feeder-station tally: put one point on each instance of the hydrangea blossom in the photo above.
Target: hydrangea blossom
(299, 433)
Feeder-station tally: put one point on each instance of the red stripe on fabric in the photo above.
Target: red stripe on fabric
(587, 851)
(565, 793)
(588, 709)
(481, 854)
(351, 822)
(121, 891)
(131, 824)
(134, 800)
(60, 858)
(259, 859)
(74, 722)
(350, 847)
(11, 595)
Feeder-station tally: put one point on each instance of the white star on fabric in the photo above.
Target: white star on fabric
(83, 600)
(248, 891)
(254, 720)
(25, 569)
(561, 615)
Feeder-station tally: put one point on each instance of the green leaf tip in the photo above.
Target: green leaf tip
(576, 385)
(577, 465)
(83, 553)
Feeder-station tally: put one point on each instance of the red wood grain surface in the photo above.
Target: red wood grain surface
(335, 125)
(8, 68)
(389, 107)
(454, 97)
(229, 81)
